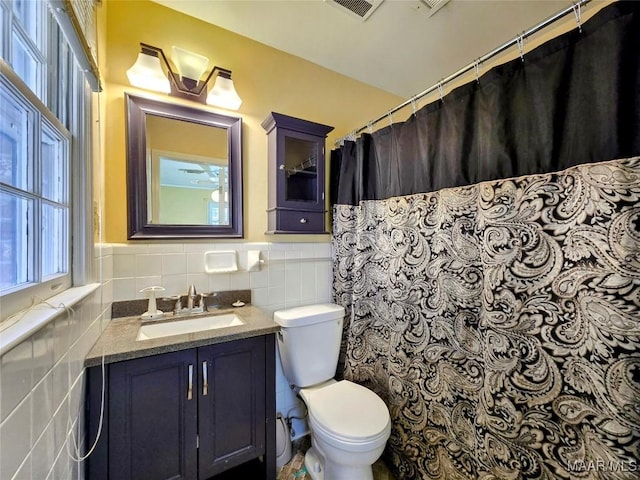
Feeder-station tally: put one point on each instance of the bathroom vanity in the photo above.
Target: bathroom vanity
(196, 405)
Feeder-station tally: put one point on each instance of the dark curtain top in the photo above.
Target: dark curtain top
(574, 99)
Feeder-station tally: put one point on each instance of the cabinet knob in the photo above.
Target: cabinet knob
(282, 167)
(303, 220)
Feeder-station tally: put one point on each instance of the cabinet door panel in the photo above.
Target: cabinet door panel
(300, 182)
(152, 421)
(232, 413)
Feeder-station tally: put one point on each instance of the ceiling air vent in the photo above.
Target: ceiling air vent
(434, 5)
(361, 9)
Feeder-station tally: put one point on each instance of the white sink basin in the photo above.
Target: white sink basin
(191, 325)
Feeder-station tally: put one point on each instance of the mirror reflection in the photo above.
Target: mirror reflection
(188, 173)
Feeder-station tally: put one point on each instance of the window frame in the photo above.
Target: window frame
(23, 295)
(73, 102)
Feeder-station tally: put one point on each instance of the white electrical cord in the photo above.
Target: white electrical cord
(76, 456)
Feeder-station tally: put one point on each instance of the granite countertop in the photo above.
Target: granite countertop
(118, 341)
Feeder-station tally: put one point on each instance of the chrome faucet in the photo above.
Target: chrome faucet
(191, 295)
(191, 307)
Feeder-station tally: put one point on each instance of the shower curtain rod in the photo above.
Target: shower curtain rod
(475, 64)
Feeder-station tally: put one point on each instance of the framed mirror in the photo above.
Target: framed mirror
(184, 171)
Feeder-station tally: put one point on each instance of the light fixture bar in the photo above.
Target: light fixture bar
(147, 73)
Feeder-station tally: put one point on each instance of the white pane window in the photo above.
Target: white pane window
(34, 189)
(44, 111)
(25, 63)
(26, 12)
(4, 21)
(64, 96)
(54, 242)
(16, 244)
(16, 165)
(54, 165)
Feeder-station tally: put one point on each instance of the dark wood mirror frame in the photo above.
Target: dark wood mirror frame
(137, 108)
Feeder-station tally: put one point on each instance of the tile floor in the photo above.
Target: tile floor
(294, 470)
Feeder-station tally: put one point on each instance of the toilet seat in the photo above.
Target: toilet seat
(348, 415)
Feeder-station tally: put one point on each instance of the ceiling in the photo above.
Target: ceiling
(400, 48)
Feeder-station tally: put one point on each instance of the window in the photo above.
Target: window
(26, 40)
(38, 120)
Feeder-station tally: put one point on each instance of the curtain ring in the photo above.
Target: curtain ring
(390, 115)
(370, 127)
(476, 68)
(413, 105)
(577, 11)
(520, 42)
(441, 91)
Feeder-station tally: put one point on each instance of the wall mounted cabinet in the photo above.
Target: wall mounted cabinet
(296, 174)
(186, 415)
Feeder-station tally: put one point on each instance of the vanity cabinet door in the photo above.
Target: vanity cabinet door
(152, 418)
(232, 404)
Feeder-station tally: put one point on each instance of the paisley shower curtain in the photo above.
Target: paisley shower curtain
(488, 253)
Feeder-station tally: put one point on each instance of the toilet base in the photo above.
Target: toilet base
(315, 465)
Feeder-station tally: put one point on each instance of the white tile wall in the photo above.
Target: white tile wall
(42, 378)
(292, 274)
(41, 388)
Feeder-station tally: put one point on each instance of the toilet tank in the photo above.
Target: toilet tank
(309, 342)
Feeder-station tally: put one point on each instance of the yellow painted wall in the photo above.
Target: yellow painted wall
(266, 79)
(173, 135)
(98, 131)
(188, 205)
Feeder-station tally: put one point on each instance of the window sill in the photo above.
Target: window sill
(26, 323)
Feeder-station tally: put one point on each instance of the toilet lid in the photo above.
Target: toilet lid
(349, 412)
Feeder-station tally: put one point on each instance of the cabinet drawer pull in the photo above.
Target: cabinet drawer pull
(205, 379)
(190, 389)
(303, 220)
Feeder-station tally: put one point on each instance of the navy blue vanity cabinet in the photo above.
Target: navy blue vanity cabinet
(232, 406)
(188, 415)
(296, 178)
(152, 418)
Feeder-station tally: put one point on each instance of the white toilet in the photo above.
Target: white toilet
(349, 424)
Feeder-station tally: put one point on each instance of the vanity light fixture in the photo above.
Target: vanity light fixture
(187, 83)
